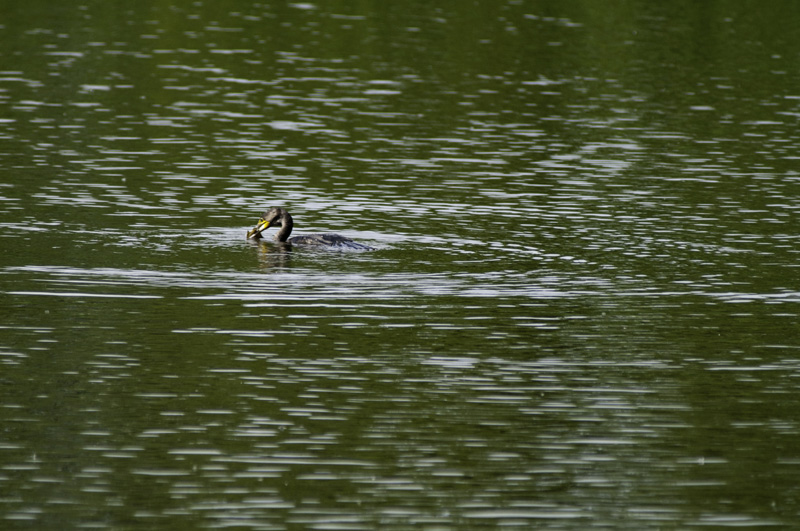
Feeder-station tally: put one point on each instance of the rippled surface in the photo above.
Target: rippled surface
(582, 308)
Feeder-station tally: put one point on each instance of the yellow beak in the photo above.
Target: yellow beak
(258, 229)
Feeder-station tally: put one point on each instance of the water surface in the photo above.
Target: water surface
(582, 307)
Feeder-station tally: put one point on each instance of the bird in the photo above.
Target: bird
(280, 217)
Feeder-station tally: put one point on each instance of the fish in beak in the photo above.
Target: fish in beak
(256, 231)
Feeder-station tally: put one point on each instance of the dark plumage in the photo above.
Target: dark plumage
(280, 217)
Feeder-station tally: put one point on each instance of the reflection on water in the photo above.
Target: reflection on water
(581, 306)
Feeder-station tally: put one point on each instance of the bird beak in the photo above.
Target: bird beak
(258, 229)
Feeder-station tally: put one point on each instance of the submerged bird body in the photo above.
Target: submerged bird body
(280, 217)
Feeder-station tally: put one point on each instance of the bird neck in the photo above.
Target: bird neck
(286, 227)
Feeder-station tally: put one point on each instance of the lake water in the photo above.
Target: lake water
(581, 310)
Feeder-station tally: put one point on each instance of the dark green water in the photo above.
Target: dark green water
(582, 309)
